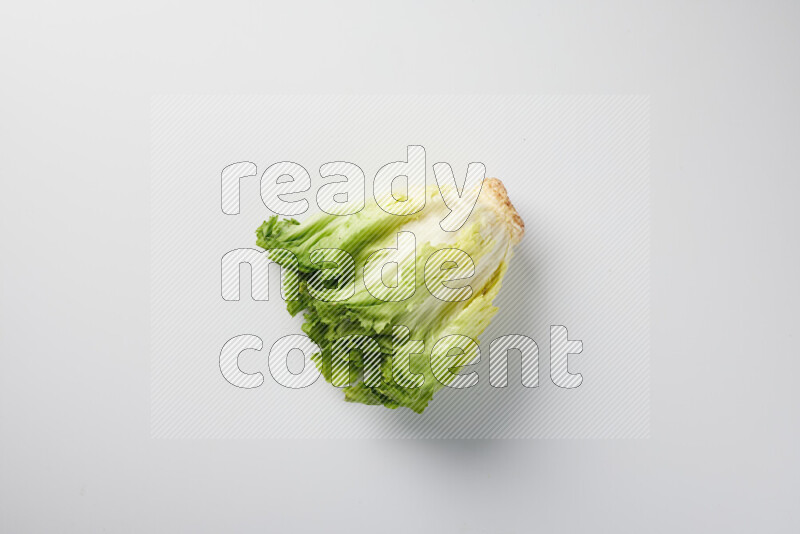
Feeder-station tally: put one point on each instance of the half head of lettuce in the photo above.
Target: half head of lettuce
(406, 323)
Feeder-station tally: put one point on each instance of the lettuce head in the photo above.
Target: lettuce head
(451, 280)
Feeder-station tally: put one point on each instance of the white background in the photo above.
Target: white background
(74, 131)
